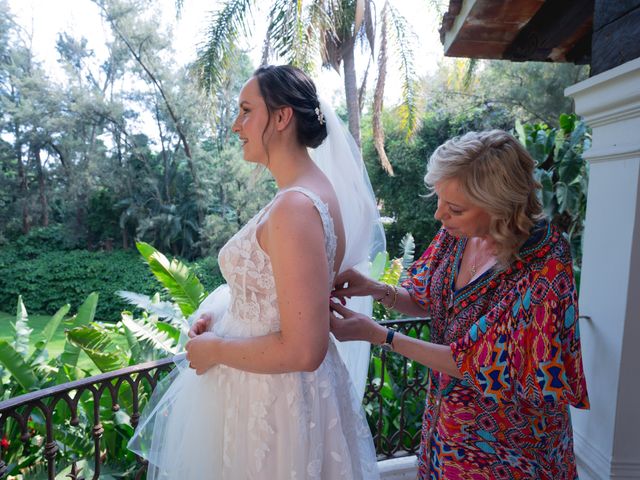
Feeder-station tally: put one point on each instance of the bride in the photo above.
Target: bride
(267, 394)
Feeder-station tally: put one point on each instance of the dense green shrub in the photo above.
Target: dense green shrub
(58, 277)
(55, 278)
(42, 239)
(208, 271)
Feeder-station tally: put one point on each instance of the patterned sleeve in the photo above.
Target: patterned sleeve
(419, 274)
(528, 346)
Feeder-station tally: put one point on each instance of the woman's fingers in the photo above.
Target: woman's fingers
(200, 326)
(341, 309)
(343, 277)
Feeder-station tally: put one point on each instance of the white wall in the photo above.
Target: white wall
(607, 438)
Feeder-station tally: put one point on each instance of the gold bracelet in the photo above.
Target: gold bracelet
(395, 296)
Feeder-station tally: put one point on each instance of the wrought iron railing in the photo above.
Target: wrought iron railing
(395, 395)
(394, 401)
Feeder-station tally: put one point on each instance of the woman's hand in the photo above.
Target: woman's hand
(200, 326)
(201, 352)
(354, 326)
(352, 283)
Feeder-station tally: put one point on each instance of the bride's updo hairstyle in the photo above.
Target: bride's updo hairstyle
(287, 86)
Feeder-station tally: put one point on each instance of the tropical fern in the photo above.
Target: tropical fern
(179, 281)
(155, 306)
(392, 273)
(97, 342)
(22, 329)
(161, 337)
(408, 248)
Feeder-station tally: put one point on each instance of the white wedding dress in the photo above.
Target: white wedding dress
(233, 425)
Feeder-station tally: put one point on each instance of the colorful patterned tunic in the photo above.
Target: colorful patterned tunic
(514, 335)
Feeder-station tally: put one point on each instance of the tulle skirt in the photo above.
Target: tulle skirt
(234, 425)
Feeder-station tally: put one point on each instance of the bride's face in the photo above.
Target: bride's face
(252, 122)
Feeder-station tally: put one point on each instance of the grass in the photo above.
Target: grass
(55, 346)
(37, 323)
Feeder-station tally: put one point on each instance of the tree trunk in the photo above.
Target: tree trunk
(351, 90)
(24, 189)
(42, 194)
(182, 134)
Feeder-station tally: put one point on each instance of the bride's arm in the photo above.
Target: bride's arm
(293, 237)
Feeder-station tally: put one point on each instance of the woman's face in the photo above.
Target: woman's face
(251, 121)
(458, 215)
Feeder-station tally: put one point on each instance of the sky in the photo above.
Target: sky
(45, 18)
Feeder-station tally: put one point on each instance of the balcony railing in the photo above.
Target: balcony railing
(97, 415)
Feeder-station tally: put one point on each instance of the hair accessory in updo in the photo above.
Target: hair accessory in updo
(320, 115)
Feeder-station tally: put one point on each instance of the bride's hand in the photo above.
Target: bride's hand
(352, 283)
(200, 352)
(200, 326)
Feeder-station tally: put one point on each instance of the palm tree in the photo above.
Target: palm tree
(301, 32)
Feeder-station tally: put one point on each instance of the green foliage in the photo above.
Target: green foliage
(54, 278)
(562, 172)
(533, 91)
(85, 316)
(404, 197)
(109, 347)
(95, 340)
(394, 405)
(178, 280)
(42, 239)
(103, 218)
(392, 272)
(20, 370)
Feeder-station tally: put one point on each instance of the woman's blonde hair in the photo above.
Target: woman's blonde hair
(496, 172)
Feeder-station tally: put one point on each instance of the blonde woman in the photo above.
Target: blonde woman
(504, 356)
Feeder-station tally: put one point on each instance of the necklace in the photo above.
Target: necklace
(474, 262)
(474, 267)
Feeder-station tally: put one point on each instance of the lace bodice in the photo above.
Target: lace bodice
(247, 269)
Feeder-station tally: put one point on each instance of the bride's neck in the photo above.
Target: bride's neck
(289, 166)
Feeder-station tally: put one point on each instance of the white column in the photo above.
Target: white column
(607, 438)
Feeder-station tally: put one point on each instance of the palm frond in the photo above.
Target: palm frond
(363, 87)
(369, 24)
(359, 15)
(180, 282)
(294, 32)
(320, 21)
(166, 310)
(404, 39)
(97, 343)
(214, 58)
(162, 340)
